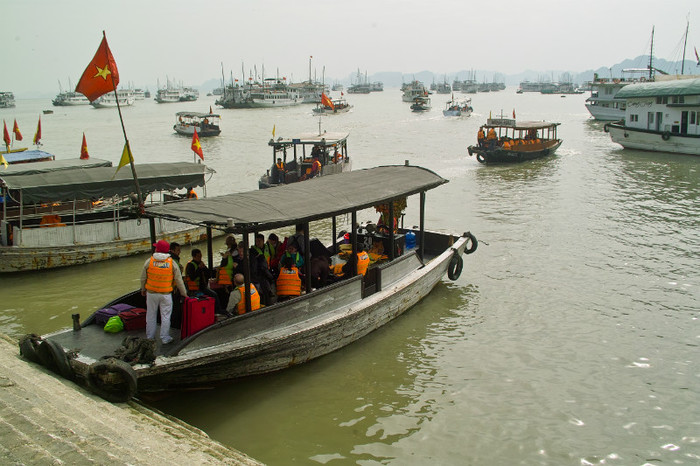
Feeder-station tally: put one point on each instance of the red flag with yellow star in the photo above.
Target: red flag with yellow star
(15, 129)
(37, 135)
(83, 149)
(326, 101)
(101, 75)
(196, 146)
(6, 134)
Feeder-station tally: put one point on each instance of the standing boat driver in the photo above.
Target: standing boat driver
(279, 166)
(481, 137)
(191, 194)
(491, 138)
(158, 276)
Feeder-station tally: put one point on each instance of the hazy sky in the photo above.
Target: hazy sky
(44, 41)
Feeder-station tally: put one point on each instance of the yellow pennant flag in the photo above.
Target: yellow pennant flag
(126, 159)
(273, 131)
(3, 161)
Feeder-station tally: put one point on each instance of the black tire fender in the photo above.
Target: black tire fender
(469, 149)
(665, 135)
(52, 356)
(606, 127)
(454, 269)
(112, 380)
(473, 243)
(480, 158)
(28, 347)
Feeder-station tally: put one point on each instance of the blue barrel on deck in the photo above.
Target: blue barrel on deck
(410, 240)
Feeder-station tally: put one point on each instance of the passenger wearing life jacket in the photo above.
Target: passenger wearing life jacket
(288, 282)
(228, 263)
(191, 194)
(159, 277)
(237, 300)
(196, 278)
(359, 262)
(481, 136)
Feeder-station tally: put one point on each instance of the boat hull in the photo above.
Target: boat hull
(656, 141)
(500, 155)
(284, 334)
(601, 113)
(202, 132)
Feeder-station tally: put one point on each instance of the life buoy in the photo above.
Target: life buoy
(665, 135)
(606, 127)
(480, 158)
(28, 346)
(52, 356)
(454, 270)
(473, 243)
(113, 380)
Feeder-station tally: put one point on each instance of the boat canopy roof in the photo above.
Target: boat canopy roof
(660, 89)
(324, 139)
(32, 168)
(27, 156)
(197, 115)
(99, 182)
(314, 199)
(518, 125)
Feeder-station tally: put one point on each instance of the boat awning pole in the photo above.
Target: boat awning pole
(307, 257)
(74, 226)
(246, 272)
(421, 249)
(335, 237)
(391, 230)
(210, 251)
(353, 239)
(152, 227)
(21, 214)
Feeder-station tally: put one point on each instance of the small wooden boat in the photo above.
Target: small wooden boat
(286, 333)
(73, 211)
(298, 155)
(458, 108)
(513, 141)
(206, 124)
(339, 106)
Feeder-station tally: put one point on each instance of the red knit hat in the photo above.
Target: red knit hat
(162, 246)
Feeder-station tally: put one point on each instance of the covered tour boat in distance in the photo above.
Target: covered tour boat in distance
(73, 211)
(340, 105)
(421, 104)
(330, 149)
(206, 124)
(510, 141)
(409, 263)
(458, 107)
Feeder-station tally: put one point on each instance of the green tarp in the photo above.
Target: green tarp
(32, 168)
(95, 183)
(304, 201)
(660, 88)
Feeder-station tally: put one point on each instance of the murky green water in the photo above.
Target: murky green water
(570, 338)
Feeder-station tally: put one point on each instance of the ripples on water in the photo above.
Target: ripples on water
(570, 338)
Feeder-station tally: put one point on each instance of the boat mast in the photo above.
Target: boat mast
(685, 42)
(223, 81)
(651, 54)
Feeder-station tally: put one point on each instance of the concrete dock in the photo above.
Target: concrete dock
(48, 420)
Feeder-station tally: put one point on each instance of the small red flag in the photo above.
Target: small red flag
(37, 135)
(196, 146)
(101, 75)
(15, 129)
(83, 150)
(6, 134)
(513, 113)
(326, 101)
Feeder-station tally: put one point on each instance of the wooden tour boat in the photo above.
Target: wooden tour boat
(513, 141)
(206, 124)
(331, 150)
(286, 333)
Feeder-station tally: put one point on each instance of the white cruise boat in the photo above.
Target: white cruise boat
(661, 116)
(125, 96)
(274, 93)
(603, 103)
(7, 100)
(69, 98)
(176, 94)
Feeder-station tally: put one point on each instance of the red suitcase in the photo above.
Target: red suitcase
(197, 314)
(134, 319)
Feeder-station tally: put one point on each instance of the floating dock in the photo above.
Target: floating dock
(48, 420)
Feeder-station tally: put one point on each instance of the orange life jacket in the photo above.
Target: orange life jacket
(362, 263)
(192, 285)
(289, 283)
(280, 166)
(254, 299)
(159, 276)
(225, 272)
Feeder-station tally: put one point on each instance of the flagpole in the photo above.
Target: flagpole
(126, 139)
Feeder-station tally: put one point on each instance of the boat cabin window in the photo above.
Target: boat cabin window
(662, 100)
(634, 117)
(678, 99)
